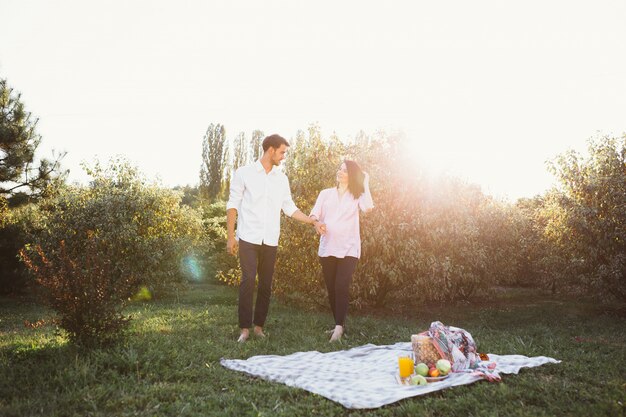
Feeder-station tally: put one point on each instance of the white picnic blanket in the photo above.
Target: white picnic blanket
(364, 376)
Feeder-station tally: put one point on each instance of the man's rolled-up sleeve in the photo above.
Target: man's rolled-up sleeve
(288, 206)
(236, 191)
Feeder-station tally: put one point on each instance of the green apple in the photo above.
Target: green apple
(421, 369)
(444, 366)
(418, 380)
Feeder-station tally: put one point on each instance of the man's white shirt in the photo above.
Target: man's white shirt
(259, 197)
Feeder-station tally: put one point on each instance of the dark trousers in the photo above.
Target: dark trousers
(255, 259)
(338, 276)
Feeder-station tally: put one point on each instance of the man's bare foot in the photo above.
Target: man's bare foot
(258, 331)
(337, 333)
(245, 334)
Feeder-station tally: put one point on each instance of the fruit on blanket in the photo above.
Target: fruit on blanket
(421, 369)
(418, 380)
(444, 366)
(433, 372)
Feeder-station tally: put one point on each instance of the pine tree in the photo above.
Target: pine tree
(19, 176)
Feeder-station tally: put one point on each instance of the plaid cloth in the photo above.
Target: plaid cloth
(364, 376)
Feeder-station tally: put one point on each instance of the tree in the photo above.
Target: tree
(592, 223)
(240, 151)
(18, 142)
(226, 170)
(256, 144)
(3, 211)
(213, 159)
(189, 194)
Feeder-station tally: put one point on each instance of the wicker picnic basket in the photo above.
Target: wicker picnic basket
(424, 349)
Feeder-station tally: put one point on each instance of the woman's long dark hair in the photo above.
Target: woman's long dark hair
(355, 178)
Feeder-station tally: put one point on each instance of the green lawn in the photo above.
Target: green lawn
(170, 364)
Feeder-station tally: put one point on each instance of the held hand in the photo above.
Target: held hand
(320, 228)
(232, 246)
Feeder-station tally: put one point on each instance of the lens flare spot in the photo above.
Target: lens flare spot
(191, 268)
(144, 294)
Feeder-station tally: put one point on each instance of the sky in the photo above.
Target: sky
(484, 90)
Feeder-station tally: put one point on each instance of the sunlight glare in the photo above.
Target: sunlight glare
(191, 268)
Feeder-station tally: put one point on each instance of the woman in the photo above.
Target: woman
(336, 215)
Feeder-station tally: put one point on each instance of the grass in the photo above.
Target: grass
(170, 363)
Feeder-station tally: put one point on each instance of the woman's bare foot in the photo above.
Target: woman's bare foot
(337, 333)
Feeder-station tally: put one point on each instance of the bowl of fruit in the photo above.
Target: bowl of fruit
(424, 374)
(435, 373)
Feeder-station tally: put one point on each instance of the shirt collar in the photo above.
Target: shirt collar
(259, 167)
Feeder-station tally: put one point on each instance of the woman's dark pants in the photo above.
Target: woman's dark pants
(338, 276)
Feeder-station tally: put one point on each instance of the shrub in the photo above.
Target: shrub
(588, 221)
(218, 263)
(427, 239)
(107, 239)
(15, 228)
(423, 244)
(528, 249)
(85, 288)
(146, 231)
(442, 239)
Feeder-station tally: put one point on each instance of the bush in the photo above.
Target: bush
(423, 244)
(146, 229)
(427, 239)
(85, 288)
(588, 217)
(528, 249)
(441, 239)
(15, 228)
(107, 239)
(218, 262)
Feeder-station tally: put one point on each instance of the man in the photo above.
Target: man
(258, 192)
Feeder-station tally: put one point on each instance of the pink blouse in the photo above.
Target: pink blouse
(341, 216)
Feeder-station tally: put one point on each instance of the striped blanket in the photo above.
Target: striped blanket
(364, 376)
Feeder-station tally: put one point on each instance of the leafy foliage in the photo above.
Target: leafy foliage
(440, 239)
(587, 227)
(429, 239)
(4, 209)
(17, 225)
(22, 180)
(86, 289)
(107, 239)
(219, 263)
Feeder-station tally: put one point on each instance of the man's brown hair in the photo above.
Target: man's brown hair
(274, 141)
